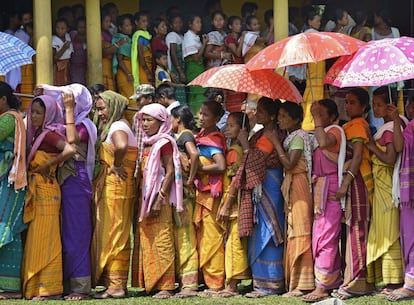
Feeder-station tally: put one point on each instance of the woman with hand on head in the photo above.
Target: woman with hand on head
(13, 184)
(113, 197)
(42, 261)
(358, 187)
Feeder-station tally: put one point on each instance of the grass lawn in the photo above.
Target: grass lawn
(274, 300)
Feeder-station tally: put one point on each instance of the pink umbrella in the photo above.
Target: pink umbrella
(377, 63)
(237, 78)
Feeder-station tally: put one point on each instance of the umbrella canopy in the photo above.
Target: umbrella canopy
(13, 53)
(309, 47)
(378, 63)
(237, 78)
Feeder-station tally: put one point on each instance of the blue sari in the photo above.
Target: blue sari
(266, 243)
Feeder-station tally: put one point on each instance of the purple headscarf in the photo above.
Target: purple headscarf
(83, 107)
(53, 121)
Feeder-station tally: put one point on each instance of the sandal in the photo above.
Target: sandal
(226, 294)
(185, 293)
(342, 294)
(106, 295)
(313, 298)
(162, 295)
(10, 295)
(76, 297)
(255, 294)
(208, 293)
(398, 295)
(293, 294)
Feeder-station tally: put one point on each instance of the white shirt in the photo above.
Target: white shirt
(176, 38)
(122, 126)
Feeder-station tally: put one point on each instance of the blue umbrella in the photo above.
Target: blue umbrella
(13, 53)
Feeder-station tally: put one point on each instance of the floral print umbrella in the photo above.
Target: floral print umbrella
(378, 63)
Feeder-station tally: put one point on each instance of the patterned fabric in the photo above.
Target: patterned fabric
(15, 53)
(124, 50)
(378, 63)
(407, 167)
(238, 78)
(42, 260)
(113, 199)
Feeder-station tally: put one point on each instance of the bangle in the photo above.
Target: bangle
(351, 174)
(245, 151)
(116, 167)
(318, 126)
(162, 193)
(221, 54)
(70, 123)
(282, 156)
(116, 45)
(232, 196)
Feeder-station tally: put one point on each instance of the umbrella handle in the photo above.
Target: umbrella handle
(389, 94)
(310, 82)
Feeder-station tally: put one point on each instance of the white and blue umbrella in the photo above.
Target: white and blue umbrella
(13, 53)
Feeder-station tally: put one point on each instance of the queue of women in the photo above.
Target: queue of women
(302, 216)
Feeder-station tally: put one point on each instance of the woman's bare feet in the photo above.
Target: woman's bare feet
(315, 296)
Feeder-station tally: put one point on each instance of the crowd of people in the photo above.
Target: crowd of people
(242, 192)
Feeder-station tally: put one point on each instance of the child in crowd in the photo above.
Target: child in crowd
(253, 43)
(176, 64)
(141, 53)
(158, 40)
(78, 61)
(62, 51)
(215, 52)
(162, 74)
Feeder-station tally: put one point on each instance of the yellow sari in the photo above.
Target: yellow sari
(107, 77)
(42, 260)
(154, 254)
(111, 245)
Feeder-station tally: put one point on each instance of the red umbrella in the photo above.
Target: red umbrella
(237, 78)
(309, 47)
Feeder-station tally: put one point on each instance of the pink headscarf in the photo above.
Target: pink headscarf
(154, 172)
(83, 106)
(53, 121)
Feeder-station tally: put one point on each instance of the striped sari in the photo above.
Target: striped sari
(357, 212)
(154, 254)
(111, 245)
(42, 260)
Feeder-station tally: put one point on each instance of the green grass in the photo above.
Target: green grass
(274, 300)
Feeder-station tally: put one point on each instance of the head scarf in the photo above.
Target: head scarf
(152, 177)
(83, 107)
(115, 105)
(53, 121)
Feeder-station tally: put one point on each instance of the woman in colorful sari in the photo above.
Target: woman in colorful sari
(236, 261)
(121, 65)
(176, 64)
(261, 216)
(209, 187)
(193, 50)
(141, 53)
(183, 124)
(162, 191)
(114, 194)
(328, 162)
(404, 142)
(357, 185)
(75, 178)
(12, 191)
(384, 261)
(296, 157)
(42, 260)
